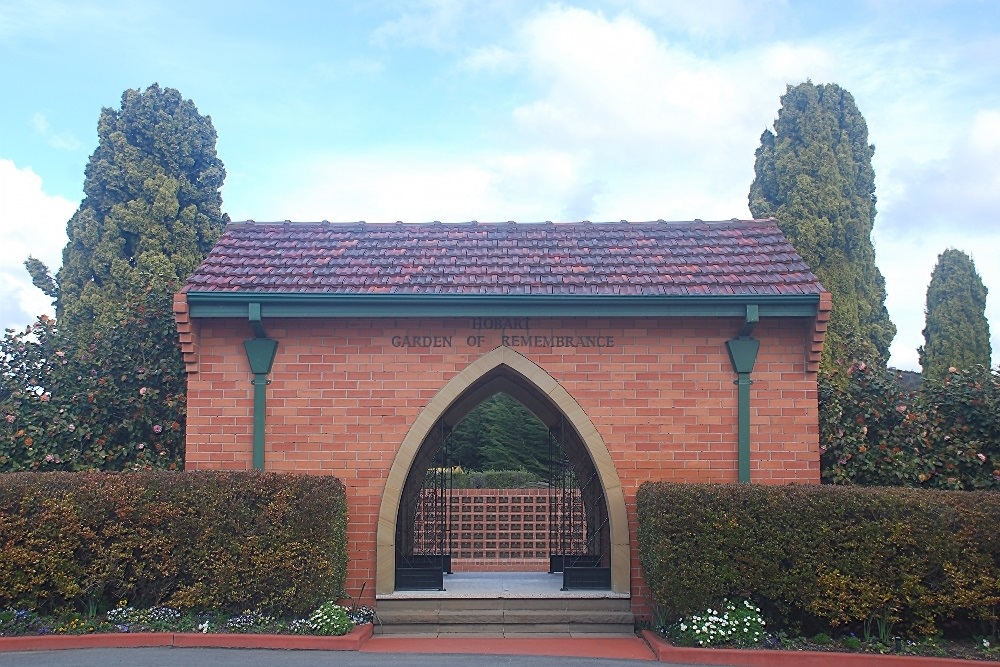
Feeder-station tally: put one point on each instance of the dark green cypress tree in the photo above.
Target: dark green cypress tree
(957, 333)
(814, 174)
(151, 212)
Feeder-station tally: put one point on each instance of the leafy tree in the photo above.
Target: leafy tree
(858, 413)
(957, 334)
(116, 404)
(944, 436)
(151, 211)
(814, 174)
(102, 387)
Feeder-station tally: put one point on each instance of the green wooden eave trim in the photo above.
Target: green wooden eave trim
(302, 304)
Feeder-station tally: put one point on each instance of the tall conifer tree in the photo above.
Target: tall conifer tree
(814, 174)
(957, 333)
(151, 212)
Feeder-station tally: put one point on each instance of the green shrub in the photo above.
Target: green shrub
(330, 619)
(116, 403)
(818, 558)
(193, 540)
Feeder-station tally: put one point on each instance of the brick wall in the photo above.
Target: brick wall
(343, 394)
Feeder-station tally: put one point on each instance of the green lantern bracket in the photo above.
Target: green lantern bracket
(260, 353)
(743, 354)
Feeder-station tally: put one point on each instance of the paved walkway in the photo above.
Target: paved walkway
(375, 654)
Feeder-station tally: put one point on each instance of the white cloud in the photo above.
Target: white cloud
(669, 133)
(984, 137)
(622, 125)
(615, 82)
(64, 141)
(711, 19)
(430, 23)
(959, 192)
(491, 58)
(420, 187)
(31, 223)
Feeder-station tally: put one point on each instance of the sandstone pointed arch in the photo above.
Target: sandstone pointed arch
(543, 395)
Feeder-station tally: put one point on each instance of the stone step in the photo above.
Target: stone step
(472, 603)
(505, 630)
(504, 616)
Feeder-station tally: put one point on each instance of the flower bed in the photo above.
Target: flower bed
(329, 619)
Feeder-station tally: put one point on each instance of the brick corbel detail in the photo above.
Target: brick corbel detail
(186, 333)
(822, 323)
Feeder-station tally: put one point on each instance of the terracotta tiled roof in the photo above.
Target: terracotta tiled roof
(737, 257)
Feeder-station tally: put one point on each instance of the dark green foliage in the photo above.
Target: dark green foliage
(958, 419)
(814, 174)
(816, 558)
(501, 434)
(957, 334)
(945, 436)
(211, 541)
(41, 278)
(152, 206)
(858, 412)
(115, 404)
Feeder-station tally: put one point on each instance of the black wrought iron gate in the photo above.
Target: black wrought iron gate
(579, 542)
(578, 531)
(424, 526)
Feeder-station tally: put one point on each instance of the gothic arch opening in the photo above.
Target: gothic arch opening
(504, 370)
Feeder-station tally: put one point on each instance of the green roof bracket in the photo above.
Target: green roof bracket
(256, 323)
(743, 355)
(751, 320)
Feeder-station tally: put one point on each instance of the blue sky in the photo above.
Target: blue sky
(457, 110)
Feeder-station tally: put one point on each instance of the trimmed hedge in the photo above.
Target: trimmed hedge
(820, 557)
(226, 541)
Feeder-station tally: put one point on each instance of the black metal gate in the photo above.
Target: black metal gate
(579, 549)
(423, 527)
(578, 531)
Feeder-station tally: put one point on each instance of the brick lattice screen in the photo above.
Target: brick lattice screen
(497, 525)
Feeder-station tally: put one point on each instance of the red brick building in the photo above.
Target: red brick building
(657, 351)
